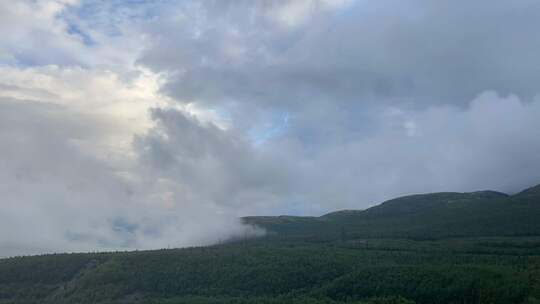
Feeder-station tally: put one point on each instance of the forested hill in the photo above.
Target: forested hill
(424, 216)
(480, 247)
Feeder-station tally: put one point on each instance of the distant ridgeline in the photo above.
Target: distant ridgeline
(480, 247)
(423, 216)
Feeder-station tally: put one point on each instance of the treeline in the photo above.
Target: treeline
(422, 217)
(501, 270)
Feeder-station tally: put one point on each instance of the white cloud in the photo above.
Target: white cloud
(31, 32)
(56, 196)
(297, 12)
(120, 104)
(46, 32)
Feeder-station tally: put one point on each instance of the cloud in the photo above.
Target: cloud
(490, 144)
(28, 26)
(118, 103)
(159, 124)
(388, 52)
(60, 32)
(344, 73)
(57, 197)
(211, 165)
(71, 180)
(440, 148)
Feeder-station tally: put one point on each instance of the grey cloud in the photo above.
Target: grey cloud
(364, 86)
(491, 144)
(213, 166)
(384, 52)
(485, 145)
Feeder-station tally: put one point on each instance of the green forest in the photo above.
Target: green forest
(480, 247)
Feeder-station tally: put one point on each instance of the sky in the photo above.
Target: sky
(135, 124)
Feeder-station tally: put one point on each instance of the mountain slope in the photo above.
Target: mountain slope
(429, 248)
(533, 191)
(435, 215)
(495, 270)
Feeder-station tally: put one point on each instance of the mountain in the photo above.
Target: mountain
(533, 191)
(479, 247)
(434, 215)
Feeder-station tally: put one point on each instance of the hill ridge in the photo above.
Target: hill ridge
(530, 190)
(426, 215)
